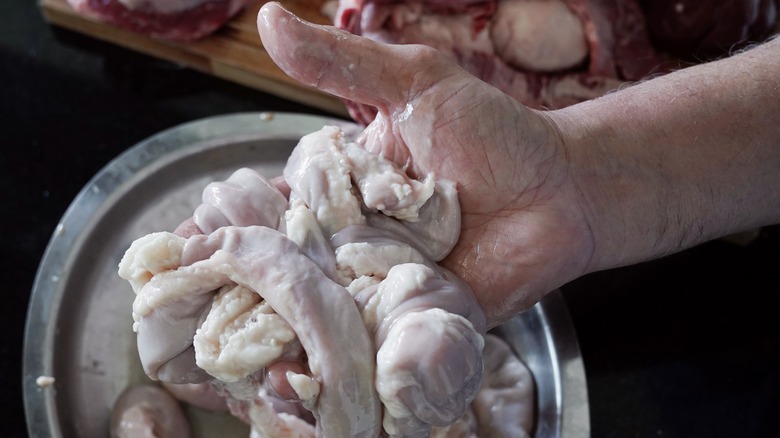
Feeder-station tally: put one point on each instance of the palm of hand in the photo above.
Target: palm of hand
(522, 233)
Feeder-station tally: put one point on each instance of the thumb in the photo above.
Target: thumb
(335, 61)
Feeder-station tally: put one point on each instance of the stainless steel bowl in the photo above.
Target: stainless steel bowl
(79, 325)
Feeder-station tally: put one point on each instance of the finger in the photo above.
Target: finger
(332, 60)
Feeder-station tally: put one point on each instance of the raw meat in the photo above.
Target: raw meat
(148, 411)
(178, 20)
(545, 53)
(509, 385)
(243, 199)
(241, 335)
(309, 313)
(549, 54)
(273, 266)
(202, 395)
(404, 312)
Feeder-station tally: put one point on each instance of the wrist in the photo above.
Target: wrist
(677, 160)
(630, 202)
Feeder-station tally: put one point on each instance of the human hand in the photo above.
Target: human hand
(524, 231)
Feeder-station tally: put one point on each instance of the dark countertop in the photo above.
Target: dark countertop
(685, 346)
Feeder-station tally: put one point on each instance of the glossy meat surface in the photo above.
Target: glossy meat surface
(178, 20)
(323, 313)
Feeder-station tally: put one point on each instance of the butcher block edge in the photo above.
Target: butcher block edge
(234, 53)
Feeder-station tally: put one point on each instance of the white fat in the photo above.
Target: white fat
(299, 220)
(169, 286)
(149, 256)
(307, 388)
(318, 172)
(240, 335)
(394, 290)
(44, 381)
(385, 186)
(361, 283)
(363, 259)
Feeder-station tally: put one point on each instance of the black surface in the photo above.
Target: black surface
(686, 346)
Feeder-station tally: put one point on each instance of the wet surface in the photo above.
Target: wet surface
(685, 346)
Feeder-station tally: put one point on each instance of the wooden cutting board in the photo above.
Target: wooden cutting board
(234, 53)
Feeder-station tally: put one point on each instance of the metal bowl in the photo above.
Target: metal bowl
(79, 324)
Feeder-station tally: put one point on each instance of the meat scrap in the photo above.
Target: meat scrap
(546, 54)
(177, 20)
(549, 54)
(325, 313)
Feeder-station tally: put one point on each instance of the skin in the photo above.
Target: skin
(547, 197)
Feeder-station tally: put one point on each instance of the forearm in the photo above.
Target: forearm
(679, 159)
